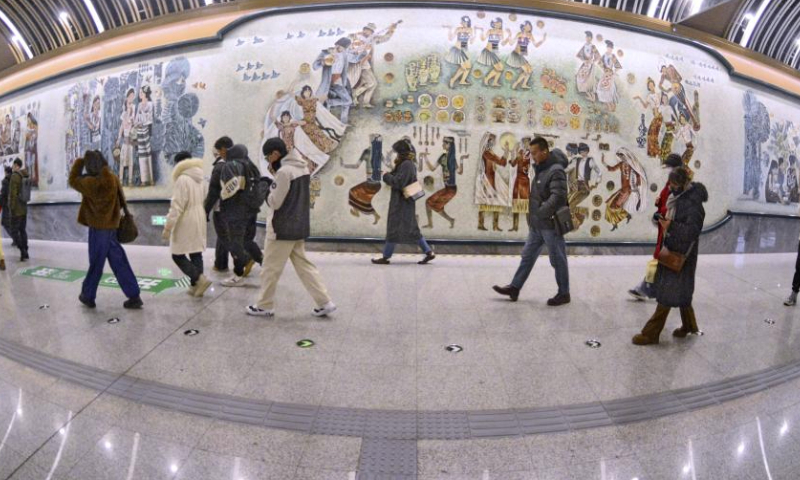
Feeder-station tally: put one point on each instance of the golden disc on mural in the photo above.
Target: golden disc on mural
(631, 78)
(459, 102)
(561, 108)
(399, 101)
(512, 17)
(389, 57)
(389, 104)
(509, 75)
(610, 186)
(398, 115)
(595, 231)
(424, 115)
(409, 98)
(575, 123)
(597, 200)
(575, 109)
(408, 117)
(481, 14)
(459, 117)
(562, 123)
(547, 121)
(697, 164)
(540, 24)
(548, 107)
(338, 181)
(653, 187)
(597, 215)
(425, 100)
(477, 73)
(305, 68)
(620, 53)
(442, 116)
(442, 101)
(599, 37)
(388, 78)
(388, 116)
(508, 141)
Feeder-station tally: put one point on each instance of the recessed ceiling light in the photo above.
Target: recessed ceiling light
(63, 15)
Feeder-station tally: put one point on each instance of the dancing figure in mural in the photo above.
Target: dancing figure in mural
(31, 149)
(583, 176)
(518, 57)
(756, 128)
(143, 124)
(360, 196)
(678, 99)
(606, 90)
(335, 87)
(450, 168)
(686, 134)
(458, 55)
(93, 123)
(586, 78)
(632, 195)
(495, 35)
(125, 138)
(361, 74)
(654, 102)
(491, 195)
(520, 203)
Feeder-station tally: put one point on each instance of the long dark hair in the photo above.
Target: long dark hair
(93, 162)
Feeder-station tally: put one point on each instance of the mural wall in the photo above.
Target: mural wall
(467, 88)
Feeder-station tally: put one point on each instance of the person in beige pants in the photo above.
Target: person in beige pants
(288, 226)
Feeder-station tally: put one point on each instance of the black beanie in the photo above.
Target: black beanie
(673, 160)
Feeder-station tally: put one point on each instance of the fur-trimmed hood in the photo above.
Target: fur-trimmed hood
(191, 167)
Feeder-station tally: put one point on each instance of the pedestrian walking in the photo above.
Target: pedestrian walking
(221, 147)
(19, 194)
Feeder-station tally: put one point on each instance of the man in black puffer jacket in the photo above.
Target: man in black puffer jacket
(548, 194)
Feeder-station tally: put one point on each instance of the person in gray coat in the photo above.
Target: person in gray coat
(401, 224)
(548, 194)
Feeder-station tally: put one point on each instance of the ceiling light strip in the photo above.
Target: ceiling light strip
(16, 36)
(751, 25)
(95, 17)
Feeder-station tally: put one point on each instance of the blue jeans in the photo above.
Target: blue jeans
(103, 244)
(558, 258)
(388, 249)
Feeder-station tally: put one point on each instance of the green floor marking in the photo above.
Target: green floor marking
(146, 284)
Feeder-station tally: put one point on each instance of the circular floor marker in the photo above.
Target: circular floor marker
(593, 343)
(191, 333)
(112, 321)
(305, 343)
(454, 348)
(44, 307)
(769, 321)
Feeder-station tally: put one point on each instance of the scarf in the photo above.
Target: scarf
(672, 202)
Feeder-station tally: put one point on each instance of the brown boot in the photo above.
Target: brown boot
(680, 332)
(640, 339)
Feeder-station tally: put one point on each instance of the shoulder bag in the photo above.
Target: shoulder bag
(673, 260)
(127, 230)
(563, 221)
(413, 191)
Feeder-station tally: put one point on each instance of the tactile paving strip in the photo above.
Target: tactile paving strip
(395, 430)
(383, 459)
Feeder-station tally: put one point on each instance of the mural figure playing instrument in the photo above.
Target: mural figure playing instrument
(520, 196)
(361, 74)
(458, 55)
(450, 168)
(583, 176)
(606, 89)
(518, 57)
(361, 195)
(678, 99)
(586, 78)
(654, 102)
(335, 87)
(143, 124)
(489, 56)
(125, 138)
(491, 191)
(632, 195)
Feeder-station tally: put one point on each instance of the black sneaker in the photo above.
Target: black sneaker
(24, 256)
(133, 303)
(381, 261)
(428, 258)
(637, 294)
(559, 300)
(88, 303)
(509, 290)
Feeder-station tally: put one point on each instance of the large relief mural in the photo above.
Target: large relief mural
(468, 89)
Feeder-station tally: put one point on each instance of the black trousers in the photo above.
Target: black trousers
(796, 280)
(18, 230)
(240, 236)
(191, 265)
(250, 240)
(221, 251)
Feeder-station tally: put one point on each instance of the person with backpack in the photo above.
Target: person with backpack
(186, 226)
(101, 202)
(4, 215)
(288, 227)
(221, 147)
(19, 194)
(236, 185)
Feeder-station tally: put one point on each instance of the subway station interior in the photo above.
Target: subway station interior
(594, 206)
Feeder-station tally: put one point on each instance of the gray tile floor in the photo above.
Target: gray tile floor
(384, 350)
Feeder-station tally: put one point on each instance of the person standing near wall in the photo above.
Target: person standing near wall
(186, 220)
(791, 300)
(19, 194)
(4, 214)
(288, 227)
(548, 194)
(221, 147)
(101, 202)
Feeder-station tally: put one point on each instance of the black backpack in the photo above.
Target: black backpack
(256, 187)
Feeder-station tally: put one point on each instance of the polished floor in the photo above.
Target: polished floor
(384, 351)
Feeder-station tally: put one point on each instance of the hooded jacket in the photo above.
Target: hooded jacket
(100, 202)
(186, 220)
(676, 289)
(289, 201)
(548, 190)
(17, 207)
(234, 207)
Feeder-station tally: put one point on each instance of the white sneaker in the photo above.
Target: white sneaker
(255, 311)
(324, 310)
(791, 300)
(234, 281)
(202, 285)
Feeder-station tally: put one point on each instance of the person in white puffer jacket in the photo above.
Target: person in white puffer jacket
(186, 221)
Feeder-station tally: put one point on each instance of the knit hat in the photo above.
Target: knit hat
(401, 147)
(673, 160)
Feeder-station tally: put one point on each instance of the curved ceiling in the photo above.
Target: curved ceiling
(34, 27)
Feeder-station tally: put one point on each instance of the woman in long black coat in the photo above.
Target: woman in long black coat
(682, 224)
(401, 224)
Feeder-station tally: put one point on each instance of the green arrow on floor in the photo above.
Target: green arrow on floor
(305, 343)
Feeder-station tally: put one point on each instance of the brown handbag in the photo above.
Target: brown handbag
(127, 230)
(673, 260)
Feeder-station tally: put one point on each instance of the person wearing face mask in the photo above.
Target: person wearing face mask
(682, 224)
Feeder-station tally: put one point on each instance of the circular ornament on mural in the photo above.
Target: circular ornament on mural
(512, 17)
(388, 117)
(408, 116)
(620, 53)
(398, 115)
(575, 109)
(442, 101)
(424, 115)
(459, 116)
(425, 100)
(653, 187)
(547, 121)
(481, 14)
(540, 24)
(562, 123)
(610, 186)
(631, 78)
(428, 182)
(459, 102)
(442, 116)
(389, 104)
(509, 75)
(598, 37)
(595, 231)
(575, 123)
(477, 73)
(389, 78)
(338, 180)
(399, 101)
(697, 164)
(410, 98)
(507, 141)
(597, 215)
(561, 108)
(305, 68)
(597, 200)
(389, 57)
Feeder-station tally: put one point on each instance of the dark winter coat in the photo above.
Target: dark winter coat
(548, 191)
(234, 208)
(6, 214)
(16, 207)
(401, 225)
(675, 289)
